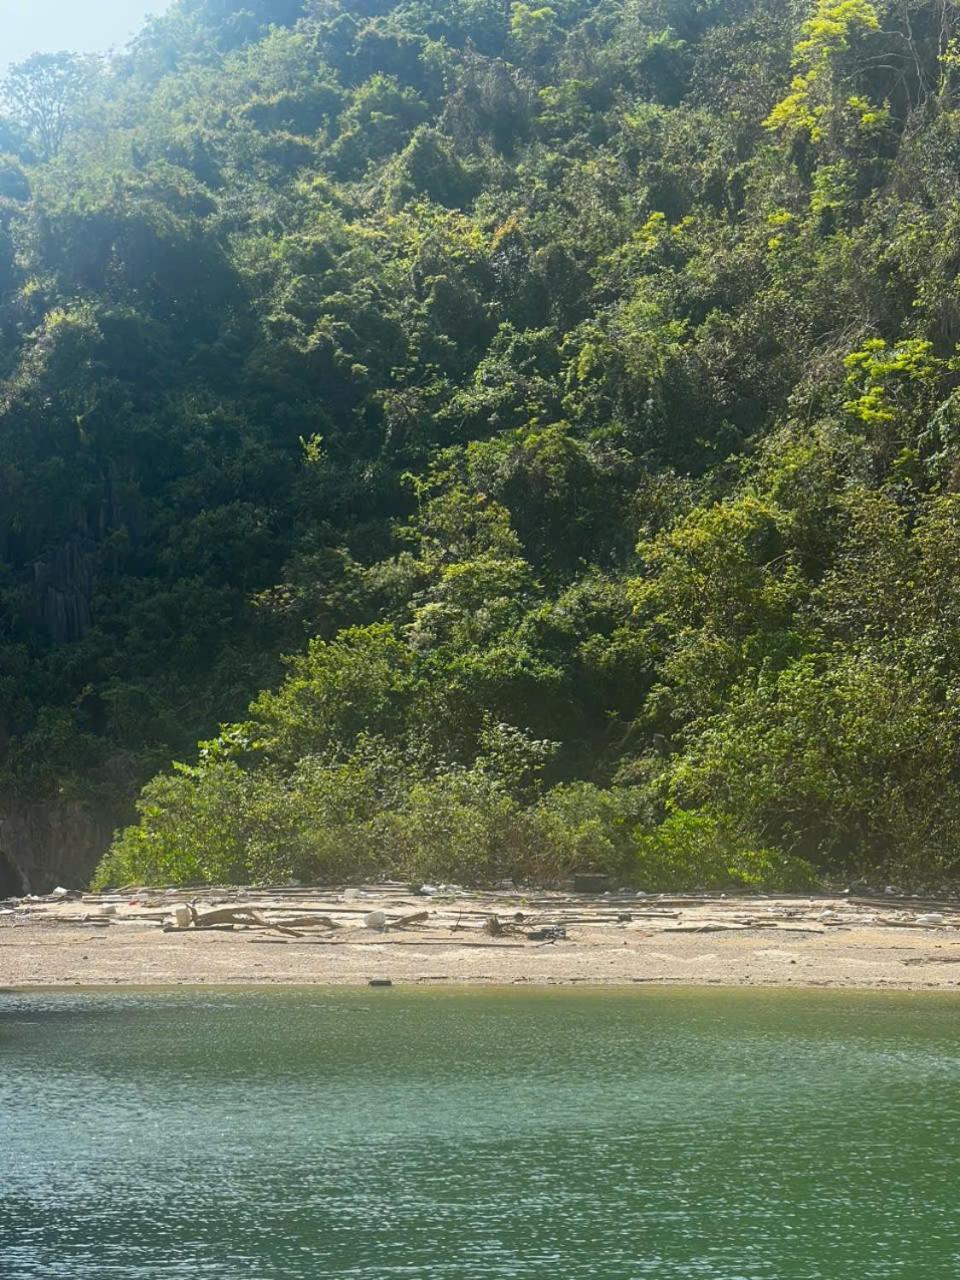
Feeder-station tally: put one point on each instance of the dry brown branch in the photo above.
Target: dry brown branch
(405, 922)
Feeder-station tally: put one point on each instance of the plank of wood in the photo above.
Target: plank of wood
(395, 942)
(704, 928)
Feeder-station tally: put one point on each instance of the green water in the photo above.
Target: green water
(393, 1135)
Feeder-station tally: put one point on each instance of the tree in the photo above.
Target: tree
(823, 94)
(45, 93)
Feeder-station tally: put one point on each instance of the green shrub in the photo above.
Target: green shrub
(455, 827)
(580, 827)
(700, 850)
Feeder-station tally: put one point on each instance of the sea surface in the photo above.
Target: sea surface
(468, 1134)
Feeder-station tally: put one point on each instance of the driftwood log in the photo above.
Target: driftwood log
(253, 918)
(245, 917)
(419, 917)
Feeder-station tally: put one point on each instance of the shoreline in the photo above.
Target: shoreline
(126, 941)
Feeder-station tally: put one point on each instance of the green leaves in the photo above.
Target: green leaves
(895, 384)
(46, 95)
(336, 691)
(496, 363)
(819, 94)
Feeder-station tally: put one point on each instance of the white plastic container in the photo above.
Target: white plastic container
(182, 916)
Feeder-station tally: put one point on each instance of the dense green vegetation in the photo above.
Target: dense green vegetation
(572, 390)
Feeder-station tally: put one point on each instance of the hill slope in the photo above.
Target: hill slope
(571, 389)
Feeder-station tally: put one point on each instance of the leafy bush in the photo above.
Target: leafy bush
(362, 818)
(701, 850)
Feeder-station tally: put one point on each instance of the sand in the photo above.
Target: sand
(728, 941)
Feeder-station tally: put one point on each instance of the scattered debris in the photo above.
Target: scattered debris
(504, 916)
(498, 928)
(552, 933)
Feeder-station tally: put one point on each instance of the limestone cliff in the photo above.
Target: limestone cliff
(43, 845)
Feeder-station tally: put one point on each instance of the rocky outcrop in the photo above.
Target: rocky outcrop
(43, 845)
(63, 585)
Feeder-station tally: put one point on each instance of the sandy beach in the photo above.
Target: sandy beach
(129, 940)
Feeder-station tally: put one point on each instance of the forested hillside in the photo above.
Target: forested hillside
(570, 391)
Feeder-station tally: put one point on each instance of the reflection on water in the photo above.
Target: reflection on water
(458, 1135)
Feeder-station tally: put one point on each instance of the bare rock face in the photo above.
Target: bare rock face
(11, 880)
(63, 584)
(47, 844)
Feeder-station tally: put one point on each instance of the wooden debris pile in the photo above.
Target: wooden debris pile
(186, 916)
(439, 915)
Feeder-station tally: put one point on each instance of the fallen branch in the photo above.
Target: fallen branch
(405, 922)
(498, 928)
(397, 942)
(704, 928)
(306, 922)
(245, 917)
